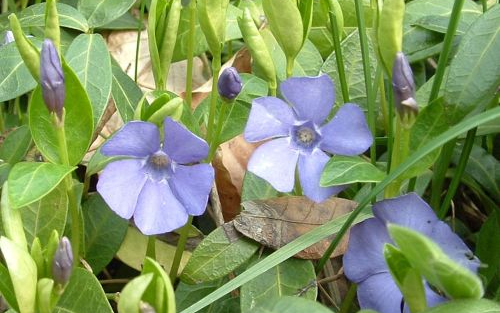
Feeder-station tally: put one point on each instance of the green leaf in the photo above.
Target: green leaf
(104, 232)
(30, 181)
(456, 281)
(23, 274)
(4, 172)
(466, 306)
(290, 304)
(83, 294)
(286, 279)
(125, 93)
(89, 57)
(34, 16)
(49, 213)
(474, 74)
(186, 295)
(341, 170)
(101, 12)
(161, 285)
(78, 122)
(130, 296)
(124, 22)
(7, 289)
(488, 247)
(255, 188)
(16, 145)
(15, 78)
(98, 162)
(217, 255)
(351, 52)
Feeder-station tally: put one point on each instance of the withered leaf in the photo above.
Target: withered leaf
(275, 222)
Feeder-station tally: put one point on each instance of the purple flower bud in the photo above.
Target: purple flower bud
(62, 264)
(9, 37)
(52, 78)
(229, 83)
(403, 86)
(185, 3)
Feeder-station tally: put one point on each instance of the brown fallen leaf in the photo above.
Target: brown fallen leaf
(276, 222)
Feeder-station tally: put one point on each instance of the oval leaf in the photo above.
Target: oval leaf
(341, 170)
(126, 94)
(16, 145)
(15, 78)
(34, 16)
(467, 306)
(101, 12)
(290, 304)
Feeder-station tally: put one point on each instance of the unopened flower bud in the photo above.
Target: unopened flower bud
(62, 264)
(229, 84)
(9, 37)
(403, 86)
(52, 78)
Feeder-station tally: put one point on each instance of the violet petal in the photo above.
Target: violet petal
(181, 144)
(120, 185)
(275, 162)
(364, 256)
(158, 211)
(135, 139)
(312, 97)
(269, 117)
(310, 170)
(347, 133)
(380, 293)
(191, 185)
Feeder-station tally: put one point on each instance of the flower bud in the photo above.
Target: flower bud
(9, 37)
(403, 86)
(185, 3)
(229, 84)
(52, 78)
(62, 264)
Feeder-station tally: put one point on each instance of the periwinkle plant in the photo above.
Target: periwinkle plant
(229, 84)
(52, 79)
(62, 263)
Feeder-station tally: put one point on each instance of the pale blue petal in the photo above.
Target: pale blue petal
(181, 145)
(135, 139)
(380, 293)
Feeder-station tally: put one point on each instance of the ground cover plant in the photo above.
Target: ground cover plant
(249, 156)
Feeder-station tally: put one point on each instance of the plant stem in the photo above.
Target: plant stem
(372, 120)
(440, 168)
(181, 244)
(485, 5)
(151, 248)
(390, 127)
(2, 121)
(289, 67)
(138, 43)
(348, 299)
(220, 121)
(216, 65)
(399, 154)
(338, 55)
(464, 157)
(188, 95)
(5, 6)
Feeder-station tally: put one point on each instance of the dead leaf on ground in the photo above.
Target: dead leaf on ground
(276, 222)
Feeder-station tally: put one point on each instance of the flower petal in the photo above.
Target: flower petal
(347, 133)
(453, 246)
(269, 117)
(182, 145)
(275, 162)
(158, 211)
(120, 185)
(312, 97)
(310, 170)
(136, 139)
(380, 293)
(364, 256)
(407, 210)
(191, 186)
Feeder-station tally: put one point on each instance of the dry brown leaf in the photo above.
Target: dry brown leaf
(276, 222)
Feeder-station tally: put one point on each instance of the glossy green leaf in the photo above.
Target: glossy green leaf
(125, 92)
(16, 145)
(4, 172)
(341, 170)
(83, 294)
(125, 22)
(474, 74)
(435, 265)
(104, 232)
(130, 296)
(160, 285)
(23, 274)
(15, 78)
(78, 121)
(34, 16)
(439, 23)
(291, 304)
(488, 247)
(466, 306)
(30, 181)
(186, 295)
(49, 213)
(255, 188)
(89, 57)
(349, 12)
(101, 12)
(220, 253)
(285, 279)
(6, 288)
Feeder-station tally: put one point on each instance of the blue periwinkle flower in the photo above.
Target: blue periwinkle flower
(52, 78)
(364, 261)
(302, 136)
(157, 183)
(229, 84)
(403, 86)
(62, 264)
(8, 37)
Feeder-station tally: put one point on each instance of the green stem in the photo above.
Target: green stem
(348, 299)
(485, 5)
(440, 168)
(339, 58)
(190, 54)
(462, 162)
(390, 127)
(5, 6)
(151, 248)
(24, 4)
(272, 89)
(229, 49)
(411, 184)
(399, 154)
(447, 45)
(181, 244)
(220, 121)
(138, 43)
(289, 67)
(372, 119)
(216, 65)
(383, 103)
(2, 121)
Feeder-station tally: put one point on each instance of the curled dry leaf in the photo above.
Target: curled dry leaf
(276, 222)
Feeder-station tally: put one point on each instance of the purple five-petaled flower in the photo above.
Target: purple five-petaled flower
(364, 261)
(157, 183)
(301, 135)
